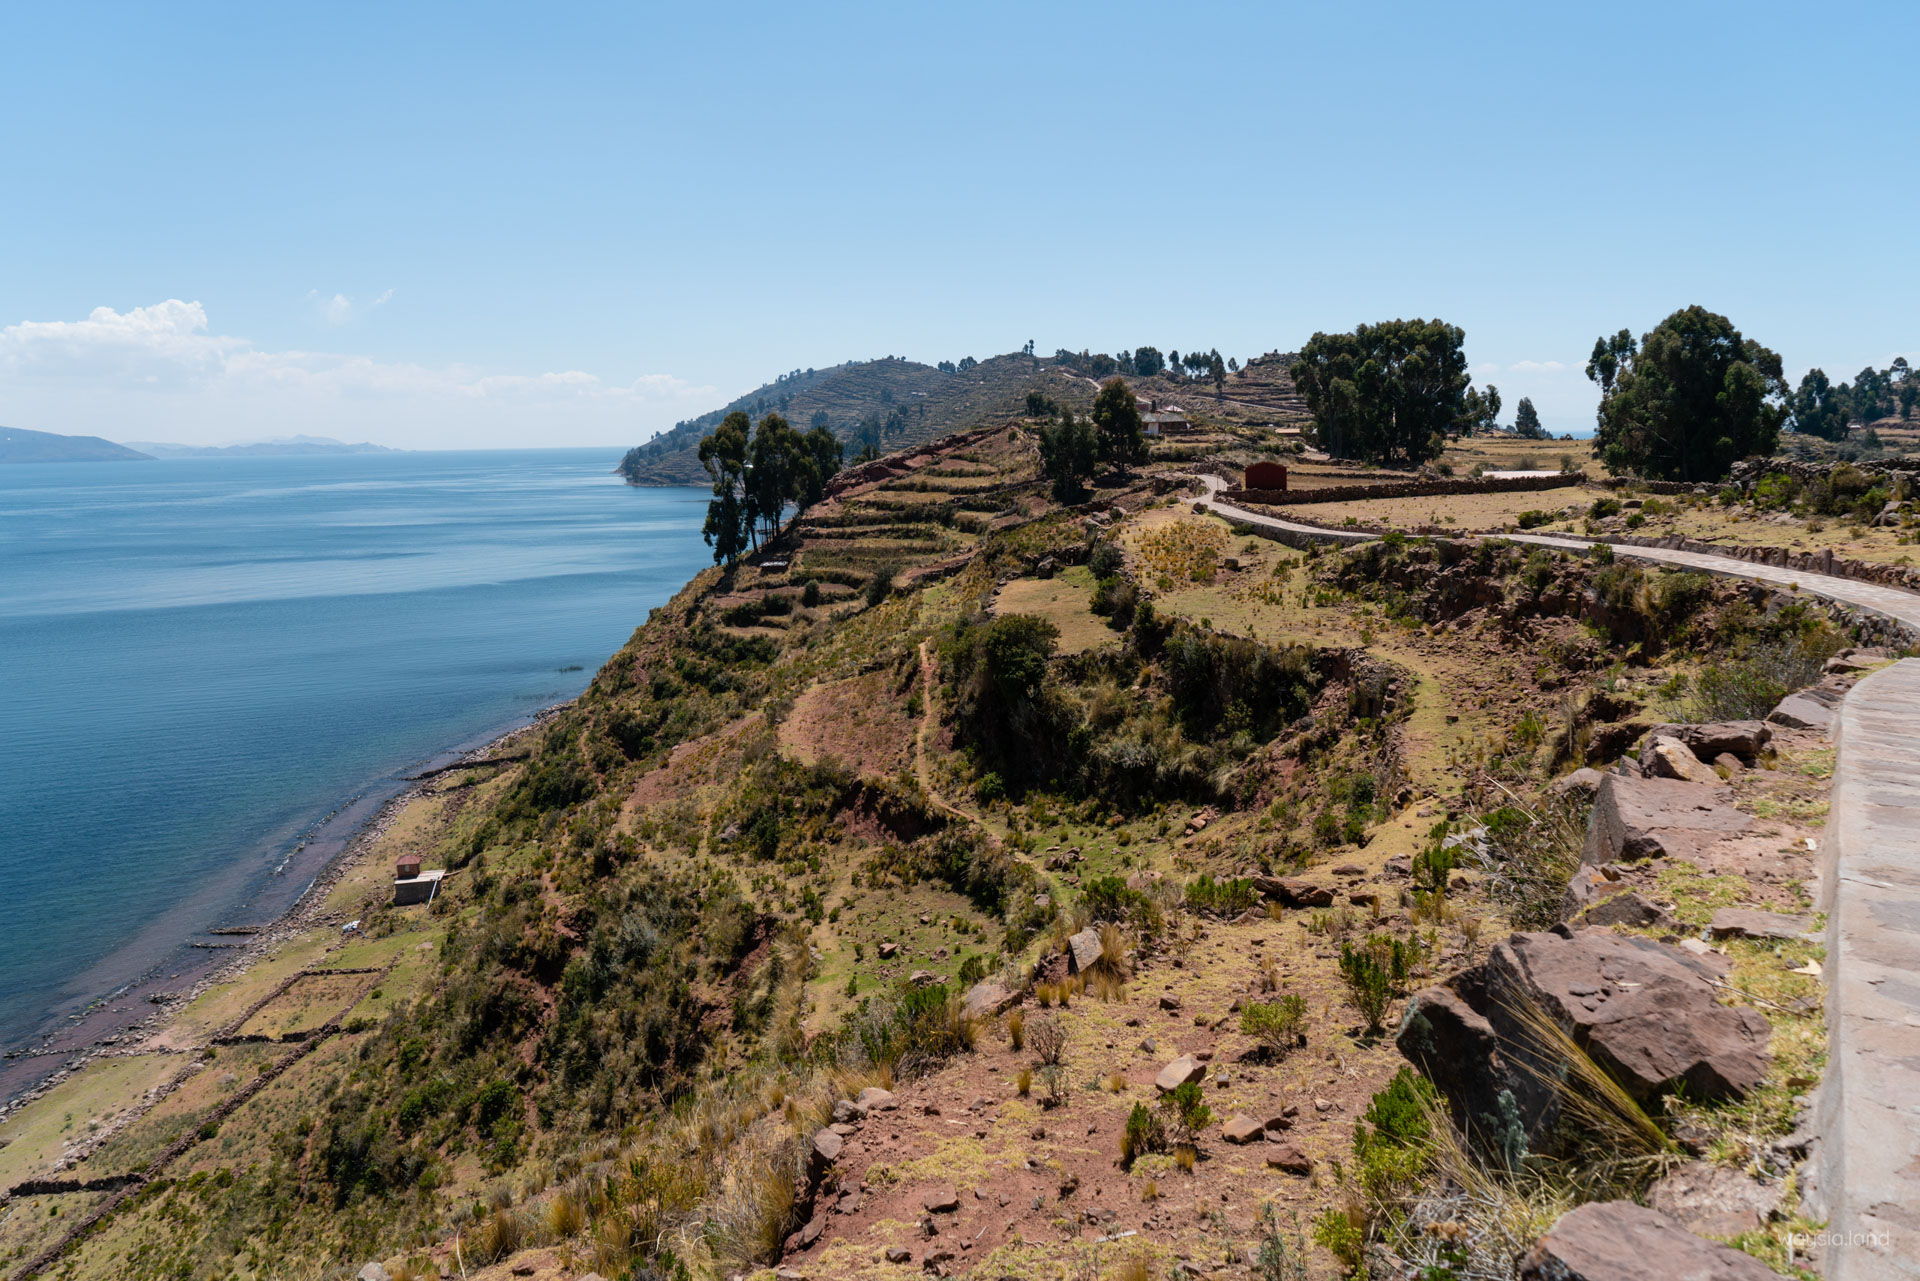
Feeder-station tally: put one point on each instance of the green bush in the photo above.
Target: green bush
(1373, 972)
(1533, 518)
(1145, 1133)
(1228, 897)
(1275, 1024)
(1186, 1108)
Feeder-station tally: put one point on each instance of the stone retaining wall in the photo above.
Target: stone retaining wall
(1867, 1181)
(1401, 489)
(1906, 577)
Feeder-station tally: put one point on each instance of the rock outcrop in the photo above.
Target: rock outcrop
(1636, 818)
(1645, 1012)
(1621, 1241)
(1744, 739)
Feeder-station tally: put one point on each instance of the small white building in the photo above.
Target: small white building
(1161, 420)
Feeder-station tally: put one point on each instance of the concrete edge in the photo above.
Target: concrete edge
(1867, 1171)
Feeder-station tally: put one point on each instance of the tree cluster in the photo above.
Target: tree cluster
(1688, 400)
(1389, 393)
(1071, 448)
(1825, 409)
(757, 474)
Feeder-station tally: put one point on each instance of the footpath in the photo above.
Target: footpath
(1866, 1173)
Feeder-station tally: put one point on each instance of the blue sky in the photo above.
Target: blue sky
(447, 225)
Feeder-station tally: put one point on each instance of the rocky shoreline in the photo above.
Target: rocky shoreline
(131, 1037)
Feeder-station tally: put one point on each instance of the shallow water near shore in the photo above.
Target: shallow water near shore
(205, 659)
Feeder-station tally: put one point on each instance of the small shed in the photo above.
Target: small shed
(410, 884)
(1266, 476)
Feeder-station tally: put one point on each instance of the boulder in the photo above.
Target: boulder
(1182, 1070)
(1242, 1129)
(899, 1254)
(1714, 1200)
(372, 1272)
(1289, 1159)
(1621, 1241)
(1745, 923)
(1646, 1013)
(923, 978)
(887, 951)
(1812, 707)
(1670, 758)
(875, 1099)
(845, 1110)
(1168, 1001)
(1631, 909)
(1083, 950)
(1636, 818)
(1296, 891)
(1744, 739)
(942, 1198)
(988, 998)
(826, 1148)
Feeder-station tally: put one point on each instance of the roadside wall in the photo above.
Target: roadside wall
(1820, 562)
(1867, 1182)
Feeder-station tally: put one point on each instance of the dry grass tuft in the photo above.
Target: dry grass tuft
(566, 1216)
(1116, 1084)
(1024, 1082)
(1017, 1029)
(498, 1236)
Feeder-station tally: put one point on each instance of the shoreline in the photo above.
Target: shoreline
(108, 1029)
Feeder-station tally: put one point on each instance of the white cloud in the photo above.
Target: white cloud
(1538, 366)
(129, 373)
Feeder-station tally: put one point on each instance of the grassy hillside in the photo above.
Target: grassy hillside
(764, 863)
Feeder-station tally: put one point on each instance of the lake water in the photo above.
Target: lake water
(203, 658)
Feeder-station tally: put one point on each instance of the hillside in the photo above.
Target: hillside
(970, 885)
(910, 404)
(18, 445)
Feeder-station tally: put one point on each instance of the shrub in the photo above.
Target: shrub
(1533, 518)
(1275, 1024)
(1049, 1042)
(1145, 1133)
(1227, 897)
(1373, 971)
(1278, 1259)
(1603, 508)
(1187, 1109)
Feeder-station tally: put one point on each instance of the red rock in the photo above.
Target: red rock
(1241, 1129)
(1179, 1072)
(1289, 1159)
(1621, 1241)
(940, 1199)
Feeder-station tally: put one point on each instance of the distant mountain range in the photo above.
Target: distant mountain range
(18, 445)
(279, 445)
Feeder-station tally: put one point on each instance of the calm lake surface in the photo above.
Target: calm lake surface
(204, 658)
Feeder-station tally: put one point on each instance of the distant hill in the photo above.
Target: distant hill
(909, 404)
(278, 446)
(905, 402)
(18, 445)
